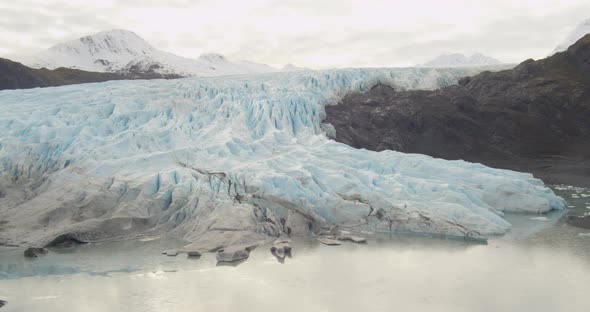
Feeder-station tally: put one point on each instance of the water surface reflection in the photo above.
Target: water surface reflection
(543, 265)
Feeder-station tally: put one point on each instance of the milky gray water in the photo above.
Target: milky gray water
(542, 265)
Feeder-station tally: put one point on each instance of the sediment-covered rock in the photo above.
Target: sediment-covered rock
(281, 248)
(66, 240)
(233, 254)
(34, 252)
(171, 253)
(193, 253)
(330, 241)
(352, 238)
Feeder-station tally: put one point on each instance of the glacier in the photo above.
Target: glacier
(220, 161)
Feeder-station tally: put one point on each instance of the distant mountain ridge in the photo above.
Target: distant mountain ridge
(460, 60)
(14, 75)
(291, 67)
(124, 52)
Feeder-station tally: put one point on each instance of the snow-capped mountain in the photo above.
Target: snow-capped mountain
(579, 32)
(460, 60)
(291, 67)
(123, 51)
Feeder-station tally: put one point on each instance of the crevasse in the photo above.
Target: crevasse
(224, 160)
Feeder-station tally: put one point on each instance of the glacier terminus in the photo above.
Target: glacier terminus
(220, 161)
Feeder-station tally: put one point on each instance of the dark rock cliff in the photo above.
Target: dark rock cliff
(534, 118)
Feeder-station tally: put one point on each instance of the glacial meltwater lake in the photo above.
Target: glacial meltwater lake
(543, 264)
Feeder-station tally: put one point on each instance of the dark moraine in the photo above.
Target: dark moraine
(533, 118)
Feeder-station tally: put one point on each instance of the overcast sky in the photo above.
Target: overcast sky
(317, 34)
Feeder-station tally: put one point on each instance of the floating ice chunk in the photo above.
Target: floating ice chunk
(48, 297)
(539, 218)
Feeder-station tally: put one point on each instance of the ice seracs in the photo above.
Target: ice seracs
(123, 51)
(227, 161)
(460, 60)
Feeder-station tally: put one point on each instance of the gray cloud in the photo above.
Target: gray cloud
(309, 33)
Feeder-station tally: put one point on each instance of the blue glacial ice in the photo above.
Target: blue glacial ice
(228, 159)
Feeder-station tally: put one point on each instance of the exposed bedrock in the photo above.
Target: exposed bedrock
(281, 248)
(34, 252)
(235, 253)
(533, 118)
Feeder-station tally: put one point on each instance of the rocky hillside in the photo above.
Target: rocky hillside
(534, 117)
(15, 75)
